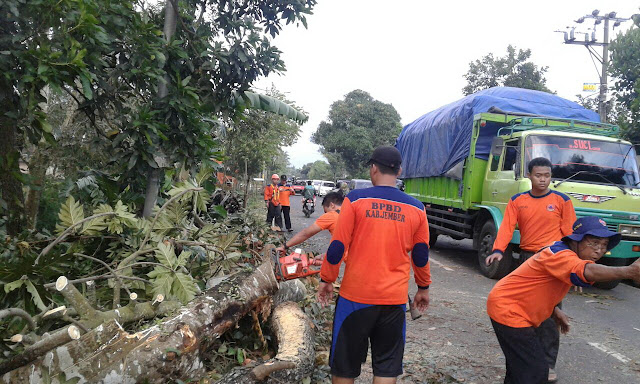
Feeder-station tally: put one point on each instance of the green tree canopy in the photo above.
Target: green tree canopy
(512, 70)
(318, 170)
(355, 127)
(625, 67)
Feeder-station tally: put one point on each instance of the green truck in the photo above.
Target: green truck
(466, 160)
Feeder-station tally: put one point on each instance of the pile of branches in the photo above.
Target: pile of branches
(85, 297)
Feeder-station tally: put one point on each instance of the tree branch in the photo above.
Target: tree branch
(18, 312)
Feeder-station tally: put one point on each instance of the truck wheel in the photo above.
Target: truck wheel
(433, 237)
(498, 269)
(611, 262)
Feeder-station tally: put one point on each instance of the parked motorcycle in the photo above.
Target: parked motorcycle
(308, 207)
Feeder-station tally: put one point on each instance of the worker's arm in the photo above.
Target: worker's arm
(339, 243)
(267, 194)
(598, 272)
(420, 263)
(568, 218)
(505, 232)
(302, 236)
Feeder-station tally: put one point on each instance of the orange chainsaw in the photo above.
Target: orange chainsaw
(295, 265)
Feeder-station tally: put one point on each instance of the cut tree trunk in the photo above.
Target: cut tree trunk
(296, 354)
(162, 353)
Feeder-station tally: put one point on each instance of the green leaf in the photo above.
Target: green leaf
(183, 258)
(86, 86)
(162, 282)
(71, 213)
(184, 287)
(223, 348)
(166, 256)
(13, 285)
(185, 81)
(240, 355)
(35, 296)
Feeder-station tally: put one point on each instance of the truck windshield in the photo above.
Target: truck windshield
(585, 160)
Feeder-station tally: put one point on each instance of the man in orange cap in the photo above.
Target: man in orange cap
(272, 201)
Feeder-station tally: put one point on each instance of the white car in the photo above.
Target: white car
(324, 187)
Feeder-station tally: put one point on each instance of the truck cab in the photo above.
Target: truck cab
(590, 164)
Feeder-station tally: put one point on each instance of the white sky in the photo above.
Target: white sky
(413, 54)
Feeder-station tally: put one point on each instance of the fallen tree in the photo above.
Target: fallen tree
(296, 355)
(168, 351)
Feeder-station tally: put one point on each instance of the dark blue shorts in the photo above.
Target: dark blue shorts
(355, 325)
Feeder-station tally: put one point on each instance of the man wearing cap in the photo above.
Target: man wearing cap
(521, 301)
(385, 232)
(272, 201)
(285, 191)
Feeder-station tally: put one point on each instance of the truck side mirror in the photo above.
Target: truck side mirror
(496, 146)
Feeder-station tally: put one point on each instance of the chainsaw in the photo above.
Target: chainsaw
(295, 265)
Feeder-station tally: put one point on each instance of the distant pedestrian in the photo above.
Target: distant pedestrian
(543, 217)
(378, 227)
(520, 302)
(272, 201)
(286, 190)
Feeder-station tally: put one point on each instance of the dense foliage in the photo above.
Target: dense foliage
(625, 67)
(512, 70)
(355, 127)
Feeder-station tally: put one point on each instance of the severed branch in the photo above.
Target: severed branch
(66, 233)
(20, 313)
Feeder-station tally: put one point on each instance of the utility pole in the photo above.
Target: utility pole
(589, 42)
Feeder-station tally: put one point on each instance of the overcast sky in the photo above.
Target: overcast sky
(413, 54)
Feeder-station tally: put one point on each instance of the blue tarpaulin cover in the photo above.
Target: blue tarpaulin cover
(437, 141)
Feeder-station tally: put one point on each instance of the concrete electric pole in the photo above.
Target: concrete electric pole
(589, 42)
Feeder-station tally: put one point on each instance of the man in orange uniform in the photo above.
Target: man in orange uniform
(543, 217)
(521, 301)
(378, 227)
(285, 191)
(272, 201)
(331, 205)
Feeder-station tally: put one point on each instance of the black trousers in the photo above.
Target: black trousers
(287, 218)
(273, 212)
(548, 331)
(524, 354)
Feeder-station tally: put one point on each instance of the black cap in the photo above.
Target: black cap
(387, 156)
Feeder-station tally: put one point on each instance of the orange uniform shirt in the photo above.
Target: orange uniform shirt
(272, 194)
(285, 192)
(526, 297)
(328, 221)
(379, 227)
(542, 220)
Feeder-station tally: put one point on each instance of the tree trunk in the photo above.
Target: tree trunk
(296, 354)
(10, 186)
(37, 173)
(162, 353)
(153, 177)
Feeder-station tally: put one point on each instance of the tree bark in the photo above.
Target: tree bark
(296, 354)
(10, 186)
(162, 353)
(37, 172)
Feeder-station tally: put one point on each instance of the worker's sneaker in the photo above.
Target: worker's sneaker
(553, 376)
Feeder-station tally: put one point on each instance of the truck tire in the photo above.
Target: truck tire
(433, 237)
(611, 262)
(498, 269)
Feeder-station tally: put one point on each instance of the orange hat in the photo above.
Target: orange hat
(275, 176)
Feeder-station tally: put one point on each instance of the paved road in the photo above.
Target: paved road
(454, 341)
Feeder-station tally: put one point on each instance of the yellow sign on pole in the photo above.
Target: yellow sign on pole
(590, 87)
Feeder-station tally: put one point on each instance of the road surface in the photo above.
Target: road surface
(454, 340)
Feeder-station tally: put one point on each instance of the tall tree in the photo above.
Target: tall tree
(112, 59)
(512, 70)
(625, 68)
(355, 127)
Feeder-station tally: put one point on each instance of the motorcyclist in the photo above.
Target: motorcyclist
(309, 193)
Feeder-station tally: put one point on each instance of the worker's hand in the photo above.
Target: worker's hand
(280, 250)
(561, 319)
(493, 257)
(325, 293)
(421, 300)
